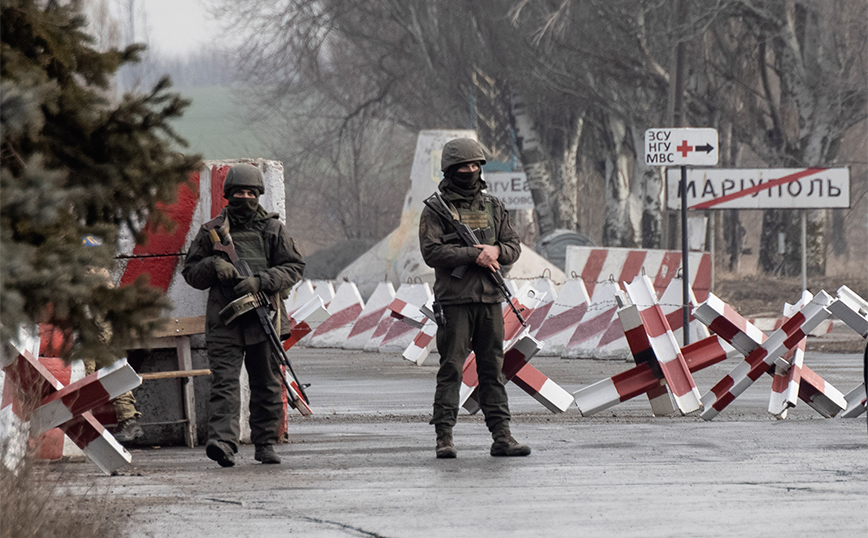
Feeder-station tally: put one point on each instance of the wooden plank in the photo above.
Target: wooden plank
(181, 327)
(174, 374)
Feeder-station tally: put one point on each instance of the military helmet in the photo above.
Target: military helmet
(461, 150)
(243, 176)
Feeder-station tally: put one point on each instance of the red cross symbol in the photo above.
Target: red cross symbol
(684, 148)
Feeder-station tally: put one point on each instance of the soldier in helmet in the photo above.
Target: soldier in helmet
(471, 305)
(264, 243)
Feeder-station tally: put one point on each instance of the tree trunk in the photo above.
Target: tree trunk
(566, 197)
(650, 190)
(535, 162)
(623, 214)
(555, 194)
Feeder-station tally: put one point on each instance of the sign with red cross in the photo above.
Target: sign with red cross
(681, 147)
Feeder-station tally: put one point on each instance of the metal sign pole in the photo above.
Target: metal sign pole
(804, 249)
(685, 271)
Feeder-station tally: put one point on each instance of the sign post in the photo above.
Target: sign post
(682, 147)
(765, 188)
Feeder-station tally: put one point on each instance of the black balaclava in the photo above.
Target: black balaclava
(242, 210)
(466, 184)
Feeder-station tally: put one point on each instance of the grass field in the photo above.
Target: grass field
(214, 125)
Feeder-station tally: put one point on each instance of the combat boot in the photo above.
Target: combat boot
(220, 452)
(505, 445)
(445, 448)
(266, 454)
(128, 430)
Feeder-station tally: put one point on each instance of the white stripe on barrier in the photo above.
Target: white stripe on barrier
(666, 349)
(422, 343)
(671, 302)
(84, 395)
(372, 314)
(563, 316)
(599, 335)
(857, 402)
(852, 310)
(343, 311)
(300, 294)
(400, 335)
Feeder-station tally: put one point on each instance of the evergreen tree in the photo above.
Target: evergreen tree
(75, 163)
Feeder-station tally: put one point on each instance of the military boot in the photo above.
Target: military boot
(445, 448)
(128, 430)
(220, 452)
(266, 454)
(505, 445)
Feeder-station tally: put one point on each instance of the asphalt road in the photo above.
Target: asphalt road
(364, 466)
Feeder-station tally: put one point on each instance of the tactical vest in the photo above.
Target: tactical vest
(250, 246)
(481, 222)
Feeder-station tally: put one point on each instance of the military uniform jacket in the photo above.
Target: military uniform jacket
(285, 267)
(445, 254)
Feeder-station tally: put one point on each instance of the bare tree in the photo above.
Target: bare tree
(583, 81)
(808, 92)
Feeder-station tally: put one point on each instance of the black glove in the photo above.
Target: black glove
(226, 272)
(251, 284)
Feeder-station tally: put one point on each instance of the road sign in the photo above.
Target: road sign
(511, 188)
(770, 188)
(681, 147)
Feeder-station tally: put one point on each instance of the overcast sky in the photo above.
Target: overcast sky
(179, 27)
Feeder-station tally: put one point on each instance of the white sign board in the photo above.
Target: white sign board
(681, 147)
(770, 188)
(511, 188)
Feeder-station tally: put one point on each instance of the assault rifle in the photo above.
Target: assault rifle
(259, 303)
(438, 205)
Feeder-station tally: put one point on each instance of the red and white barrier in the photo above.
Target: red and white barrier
(84, 395)
(300, 294)
(549, 294)
(762, 358)
(857, 402)
(325, 289)
(722, 319)
(519, 348)
(422, 343)
(399, 335)
(786, 381)
(514, 359)
(594, 264)
(38, 387)
(671, 303)
(409, 313)
(666, 349)
(821, 396)
(599, 334)
(789, 372)
(372, 314)
(641, 379)
(563, 317)
(526, 301)
(343, 311)
(643, 353)
(812, 388)
(852, 310)
(304, 319)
